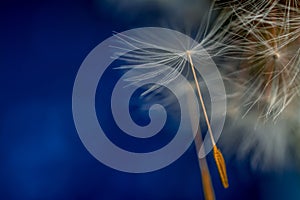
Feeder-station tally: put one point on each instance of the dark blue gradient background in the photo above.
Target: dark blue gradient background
(42, 46)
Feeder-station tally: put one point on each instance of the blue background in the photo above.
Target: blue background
(42, 45)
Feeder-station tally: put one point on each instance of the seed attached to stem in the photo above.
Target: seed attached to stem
(219, 159)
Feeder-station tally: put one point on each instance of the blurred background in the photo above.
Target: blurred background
(43, 44)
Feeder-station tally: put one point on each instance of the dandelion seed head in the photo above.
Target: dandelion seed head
(268, 48)
(262, 77)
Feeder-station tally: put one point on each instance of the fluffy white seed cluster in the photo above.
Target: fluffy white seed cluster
(264, 82)
(268, 50)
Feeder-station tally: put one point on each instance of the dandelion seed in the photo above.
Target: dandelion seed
(217, 153)
(153, 56)
(221, 166)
